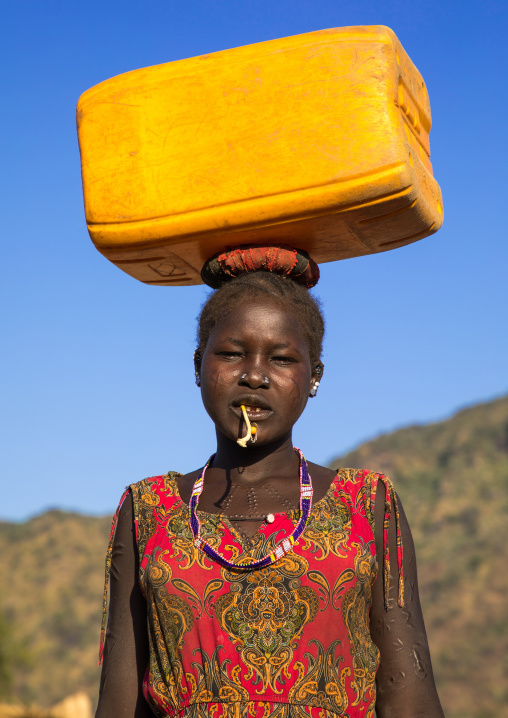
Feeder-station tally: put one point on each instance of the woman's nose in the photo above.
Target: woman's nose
(255, 378)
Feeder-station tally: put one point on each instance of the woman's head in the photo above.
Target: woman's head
(259, 344)
(256, 286)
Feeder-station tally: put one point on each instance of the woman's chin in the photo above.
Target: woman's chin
(263, 438)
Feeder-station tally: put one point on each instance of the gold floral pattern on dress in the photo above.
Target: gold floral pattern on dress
(290, 640)
(322, 682)
(328, 527)
(213, 680)
(355, 602)
(265, 612)
(152, 513)
(170, 617)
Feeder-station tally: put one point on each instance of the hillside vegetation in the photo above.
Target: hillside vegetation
(452, 477)
(51, 578)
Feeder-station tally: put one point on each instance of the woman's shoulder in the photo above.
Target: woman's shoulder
(362, 486)
(155, 489)
(360, 477)
(359, 484)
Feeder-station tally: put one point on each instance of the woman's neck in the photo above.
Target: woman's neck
(256, 463)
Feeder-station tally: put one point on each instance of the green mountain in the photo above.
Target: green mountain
(51, 579)
(452, 478)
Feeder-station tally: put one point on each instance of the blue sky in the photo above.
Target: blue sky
(97, 379)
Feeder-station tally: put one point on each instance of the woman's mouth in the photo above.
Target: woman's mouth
(255, 413)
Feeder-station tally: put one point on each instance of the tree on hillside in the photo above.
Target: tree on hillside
(12, 659)
(5, 661)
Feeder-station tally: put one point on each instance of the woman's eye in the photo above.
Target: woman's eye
(230, 355)
(283, 360)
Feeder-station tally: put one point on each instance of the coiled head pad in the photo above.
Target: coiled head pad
(279, 259)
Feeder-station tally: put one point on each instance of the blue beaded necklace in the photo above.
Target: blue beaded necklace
(281, 549)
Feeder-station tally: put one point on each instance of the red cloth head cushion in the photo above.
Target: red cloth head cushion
(279, 259)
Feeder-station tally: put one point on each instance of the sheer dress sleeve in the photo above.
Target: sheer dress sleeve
(125, 654)
(404, 682)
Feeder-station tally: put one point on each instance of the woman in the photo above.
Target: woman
(240, 590)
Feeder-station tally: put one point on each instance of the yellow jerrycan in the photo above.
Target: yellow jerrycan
(319, 141)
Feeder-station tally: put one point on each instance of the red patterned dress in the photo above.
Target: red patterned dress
(291, 639)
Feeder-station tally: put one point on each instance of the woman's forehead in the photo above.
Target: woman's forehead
(265, 316)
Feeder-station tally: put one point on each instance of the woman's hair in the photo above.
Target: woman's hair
(282, 290)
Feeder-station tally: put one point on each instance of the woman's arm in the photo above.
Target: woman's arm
(405, 682)
(126, 647)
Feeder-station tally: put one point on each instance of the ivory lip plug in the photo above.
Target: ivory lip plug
(319, 141)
